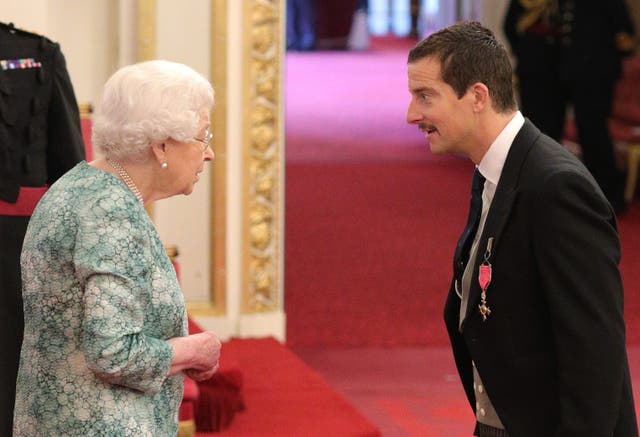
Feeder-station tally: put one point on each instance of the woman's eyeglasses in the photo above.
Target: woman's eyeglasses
(206, 140)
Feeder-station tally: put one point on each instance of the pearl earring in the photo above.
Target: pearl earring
(164, 165)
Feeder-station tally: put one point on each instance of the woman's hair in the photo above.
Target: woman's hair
(148, 102)
(469, 53)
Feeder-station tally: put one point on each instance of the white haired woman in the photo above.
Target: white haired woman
(106, 343)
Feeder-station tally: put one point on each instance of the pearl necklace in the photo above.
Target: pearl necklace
(126, 179)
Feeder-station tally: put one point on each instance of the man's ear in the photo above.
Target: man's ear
(480, 94)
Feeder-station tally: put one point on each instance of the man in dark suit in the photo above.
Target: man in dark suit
(563, 49)
(535, 316)
(40, 140)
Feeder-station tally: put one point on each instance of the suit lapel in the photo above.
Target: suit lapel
(505, 195)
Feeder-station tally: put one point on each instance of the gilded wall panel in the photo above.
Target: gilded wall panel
(263, 156)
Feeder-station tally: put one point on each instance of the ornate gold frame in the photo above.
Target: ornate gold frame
(146, 30)
(219, 174)
(263, 145)
(263, 148)
(217, 304)
(218, 182)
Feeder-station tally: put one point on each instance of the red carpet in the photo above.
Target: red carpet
(360, 270)
(284, 396)
(372, 216)
(409, 392)
(629, 228)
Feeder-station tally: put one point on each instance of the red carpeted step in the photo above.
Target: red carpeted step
(284, 396)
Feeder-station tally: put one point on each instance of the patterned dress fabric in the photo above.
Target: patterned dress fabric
(100, 300)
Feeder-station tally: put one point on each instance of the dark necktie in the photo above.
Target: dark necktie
(461, 257)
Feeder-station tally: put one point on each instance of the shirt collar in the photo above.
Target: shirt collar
(492, 162)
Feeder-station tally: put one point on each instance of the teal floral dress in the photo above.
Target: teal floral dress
(100, 300)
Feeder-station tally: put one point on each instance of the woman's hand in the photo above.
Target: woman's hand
(197, 353)
(201, 375)
(206, 348)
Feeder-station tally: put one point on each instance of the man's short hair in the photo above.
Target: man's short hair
(470, 53)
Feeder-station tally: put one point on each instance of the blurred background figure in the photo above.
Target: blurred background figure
(418, 18)
(349, 24)
(359, 34)
(301, 26)
(569, 52)
(333, 23)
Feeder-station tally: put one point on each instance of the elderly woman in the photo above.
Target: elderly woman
(105, 343)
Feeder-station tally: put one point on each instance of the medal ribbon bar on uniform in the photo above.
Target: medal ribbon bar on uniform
(19, 64)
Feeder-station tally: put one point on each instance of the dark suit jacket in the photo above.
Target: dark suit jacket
(552, 352)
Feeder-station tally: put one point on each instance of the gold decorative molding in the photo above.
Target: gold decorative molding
(217, 304)
(86, 109)
(147, 14)
(187, 428)
(263, 150)
(146, 50)
(218, 182)
(218, 214)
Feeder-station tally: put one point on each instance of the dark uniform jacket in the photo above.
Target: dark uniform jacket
(40, 137)
(552, 352)
(575, 37)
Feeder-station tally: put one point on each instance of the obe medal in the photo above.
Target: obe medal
(484, 278)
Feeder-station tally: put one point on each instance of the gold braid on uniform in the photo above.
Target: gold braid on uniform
(534, 11)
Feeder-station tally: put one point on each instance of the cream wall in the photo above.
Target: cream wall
(86, 30)
(183, 35)
(30, 15)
